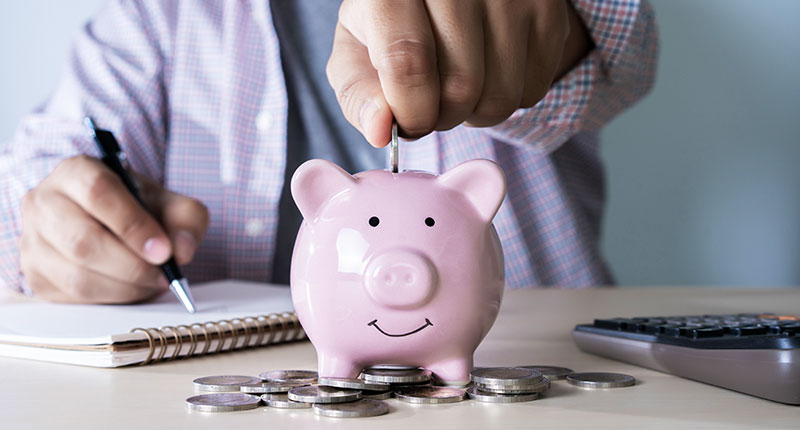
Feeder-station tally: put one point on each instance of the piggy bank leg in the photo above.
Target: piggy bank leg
(332, 365)
(452, 371)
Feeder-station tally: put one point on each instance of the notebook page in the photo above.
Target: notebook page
(69, 324)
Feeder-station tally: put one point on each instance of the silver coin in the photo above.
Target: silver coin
(394, 146)
(396, 376)
(555, 373)
(377, 395)
(431, 395)
(308, 376)
(282, 401)
(353, 383)
(505, 376)
(270, 387)
(393, 366)
(357, 409)
(223, 383)
(538, 387)
(483, 396)
(600, 380)
(223, 402)
(318, 394)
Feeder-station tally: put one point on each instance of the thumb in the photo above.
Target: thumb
(183, 218)
(358, 89)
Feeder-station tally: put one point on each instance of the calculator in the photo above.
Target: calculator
(756, 354)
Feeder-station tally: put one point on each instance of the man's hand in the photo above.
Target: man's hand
(434, 64)
(86, 239)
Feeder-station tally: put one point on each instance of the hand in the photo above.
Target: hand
(434, 64)
(86, 239)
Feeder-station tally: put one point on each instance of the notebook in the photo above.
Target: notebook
(230, 315)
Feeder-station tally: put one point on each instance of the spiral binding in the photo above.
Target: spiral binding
(252, 331)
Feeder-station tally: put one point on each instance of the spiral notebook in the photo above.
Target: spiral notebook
(230, 315)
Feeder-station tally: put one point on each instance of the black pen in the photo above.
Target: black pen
(113, 157)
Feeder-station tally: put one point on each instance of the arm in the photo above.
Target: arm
(115, 75)
(613, 76)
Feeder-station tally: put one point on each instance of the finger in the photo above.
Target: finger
(103, 196)
(458, 29)
(81, 285)
(402, 49)
(506, 36)
(358, 88)
(185, 219)
(87, 244)
(546, 40)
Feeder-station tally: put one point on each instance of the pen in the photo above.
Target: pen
(113, 157)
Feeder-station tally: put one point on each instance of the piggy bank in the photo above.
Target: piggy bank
(397, 268)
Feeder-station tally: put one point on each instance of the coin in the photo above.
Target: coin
(222, 383)
(377, 395)
(353, 383)
(555, 373)
(394, 147)
(396, 376)
(308, 376)
(431, 395)
(282, 401)
(223, 402)
(270, 387)
(318, 394)
(537, 387)
(600, 380)
(483, 396)
(357, 409)
(505, 376)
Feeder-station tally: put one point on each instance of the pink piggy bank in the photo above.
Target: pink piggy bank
(397, 268)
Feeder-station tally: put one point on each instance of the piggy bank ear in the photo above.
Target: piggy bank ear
(482, 182)
(317, 181)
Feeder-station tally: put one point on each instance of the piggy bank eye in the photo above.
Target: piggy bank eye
(374, 221)
(429, 222)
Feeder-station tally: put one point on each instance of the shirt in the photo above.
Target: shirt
(315, 126)
(195, 93)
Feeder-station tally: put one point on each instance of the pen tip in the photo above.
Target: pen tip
(181, 289)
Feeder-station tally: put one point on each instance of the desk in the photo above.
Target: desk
(533, 328)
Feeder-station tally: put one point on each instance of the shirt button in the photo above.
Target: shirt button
(254, 227)
(263, 121)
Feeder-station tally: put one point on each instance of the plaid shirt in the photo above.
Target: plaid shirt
(195, 93)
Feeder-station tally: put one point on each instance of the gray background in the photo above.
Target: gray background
(704, 187)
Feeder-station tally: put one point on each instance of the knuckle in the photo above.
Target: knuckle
(407, 62)
(460, 90)
(81, 244)
(100, 184)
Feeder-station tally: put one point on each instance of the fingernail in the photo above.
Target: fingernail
(156, 250)
(163, 282)
(185, 246)
(368, 110)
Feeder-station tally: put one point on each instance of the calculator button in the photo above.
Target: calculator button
(705, 332)
(749, 330)
(788, 318)
(790, 330)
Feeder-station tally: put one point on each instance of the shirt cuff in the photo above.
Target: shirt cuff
(613, 76)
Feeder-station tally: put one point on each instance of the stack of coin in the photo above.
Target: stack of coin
(507, 384)
(361, 397)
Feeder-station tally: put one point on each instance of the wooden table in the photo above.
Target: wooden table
(533, 328)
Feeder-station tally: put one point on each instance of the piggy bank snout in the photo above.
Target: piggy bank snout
(400, 279)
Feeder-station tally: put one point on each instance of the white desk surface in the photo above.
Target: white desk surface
(533, 328)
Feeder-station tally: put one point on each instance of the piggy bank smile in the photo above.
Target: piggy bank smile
(374, 323)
